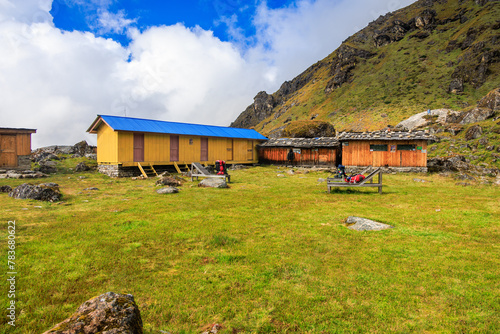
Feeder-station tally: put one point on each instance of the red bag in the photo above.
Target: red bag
(358, 178)
(355, 179)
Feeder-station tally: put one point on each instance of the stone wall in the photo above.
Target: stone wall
(387, 170)
(23, 162)
(118, 171)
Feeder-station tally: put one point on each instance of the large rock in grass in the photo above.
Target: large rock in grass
(213, 182)
(169, 181)
(363, 224)
(476, 115)
(5, 189)
(109, 313)
(43, 192)
(486, 108)
(424, 118)
(81, 167)
(168, 190)
(474, 132)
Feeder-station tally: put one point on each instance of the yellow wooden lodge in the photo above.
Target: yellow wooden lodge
(127, 146)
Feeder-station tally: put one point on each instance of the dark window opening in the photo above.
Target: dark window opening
(406, 147)
(378, 147)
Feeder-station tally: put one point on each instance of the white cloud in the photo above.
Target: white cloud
(115, 23)
(27, 11)
(57, 81)
(295, 37)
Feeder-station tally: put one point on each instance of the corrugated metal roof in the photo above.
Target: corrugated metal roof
(120, 123)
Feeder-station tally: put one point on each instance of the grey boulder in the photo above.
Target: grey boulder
(363, 224)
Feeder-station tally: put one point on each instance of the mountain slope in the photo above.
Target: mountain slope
(432, 54)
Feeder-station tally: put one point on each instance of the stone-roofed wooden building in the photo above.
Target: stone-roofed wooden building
(404, 150)
(308, 151)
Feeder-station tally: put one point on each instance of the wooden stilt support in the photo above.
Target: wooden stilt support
(147, 170)
(177, 167)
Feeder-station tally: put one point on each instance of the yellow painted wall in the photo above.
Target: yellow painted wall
(217, 149)
(156, 147)
(107, 145)
(241, 150)
(117, 147)
(190, 147)
(126, 146)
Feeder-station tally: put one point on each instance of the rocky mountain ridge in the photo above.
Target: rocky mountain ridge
(432, 54)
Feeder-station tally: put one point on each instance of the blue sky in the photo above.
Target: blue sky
(142, 14)
(198, 61)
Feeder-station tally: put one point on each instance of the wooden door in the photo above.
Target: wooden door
(138, 147)
(250, 150)
(8, 156)
(174, 148)
(204, 149)
(229, 156)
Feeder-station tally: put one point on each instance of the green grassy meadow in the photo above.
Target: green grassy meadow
(268, 255)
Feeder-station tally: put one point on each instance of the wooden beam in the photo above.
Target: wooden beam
(177, 168)
(142, 170)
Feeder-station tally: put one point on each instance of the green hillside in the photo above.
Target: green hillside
(429, 55)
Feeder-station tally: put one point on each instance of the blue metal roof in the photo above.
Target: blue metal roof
(147, 125)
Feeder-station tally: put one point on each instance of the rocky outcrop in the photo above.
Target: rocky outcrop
(425, 118)
(460, 164)
(47, 167)
(109, 313)
(475, 62)
(491, 101)
(343, 65)
(264, 104)
(486, 108)
(81, 167)
(43, 192)
(261, 108)
(453, 120)
(404, 71)
(474, 132)
(308, 129)
(80, 149)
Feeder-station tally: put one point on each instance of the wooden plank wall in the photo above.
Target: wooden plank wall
(357, 153)
(107, 145)
(307, 156)
(23, 143)
(12, 145)
(8, 148)
(126, 146)
(157, 147)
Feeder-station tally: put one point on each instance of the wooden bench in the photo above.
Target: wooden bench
(197, 170)
(367, 182)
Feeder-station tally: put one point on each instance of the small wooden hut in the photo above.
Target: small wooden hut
(15, 148)
(308, 151)
(398, 149)
(125, 144)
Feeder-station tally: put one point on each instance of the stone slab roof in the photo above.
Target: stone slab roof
(302, 142)
(386, 135)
